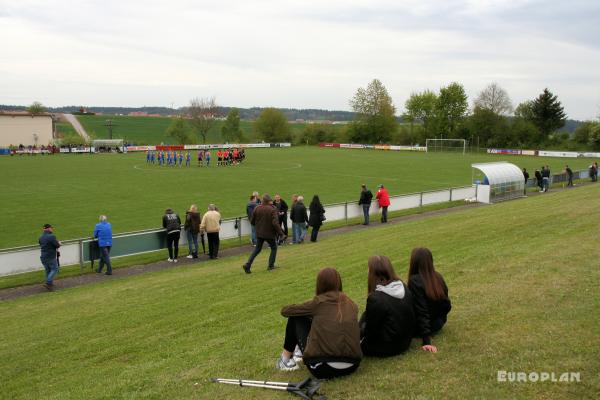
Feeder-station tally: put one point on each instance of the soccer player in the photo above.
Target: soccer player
(162, 155)
(147, 156)
(226, 157)
(219, 157)
(152, 157)
(180, 158)
(207, 156)
(200, 158)
(188, 159)
(235, 156)
(159, 157)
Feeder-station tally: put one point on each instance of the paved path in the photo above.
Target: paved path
(78, 127)
(119, 273)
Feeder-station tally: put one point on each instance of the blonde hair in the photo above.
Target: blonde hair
(193, 208)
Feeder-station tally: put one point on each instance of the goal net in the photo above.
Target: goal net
(453, 145)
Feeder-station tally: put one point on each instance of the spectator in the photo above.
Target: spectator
(594, 171)
(546, 178)
(317, 216)
(526, 178)
(252, 204)
(211, 224)
(172, 223)
(569, 173)
(430, 296)
(49, 255)
(384, 201)
(330, 321)
(538, 179)
(365, 201)
(266, 221)
(282, 209)
(299, 218)
(388, 322)
(192, 228)
(103, 232)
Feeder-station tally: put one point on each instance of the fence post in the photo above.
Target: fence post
(346, 213)
(239, 224)
(450, 195)
(421, 200)
(81, 254)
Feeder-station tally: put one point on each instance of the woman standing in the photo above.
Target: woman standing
(192, 228)
(324, 330)
(387, 324)
(317, 216)
(430, 296)
(172, 224)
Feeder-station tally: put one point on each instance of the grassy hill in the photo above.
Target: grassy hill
(523, 278)
(70, 191)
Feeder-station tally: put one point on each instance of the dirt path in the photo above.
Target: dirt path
(77, 126)
(120, 273)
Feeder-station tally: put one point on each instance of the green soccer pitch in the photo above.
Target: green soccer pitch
(523, 278)
(70, 191)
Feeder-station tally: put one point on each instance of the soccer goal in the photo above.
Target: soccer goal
(454, 145)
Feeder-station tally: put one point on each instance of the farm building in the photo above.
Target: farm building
(26, 129)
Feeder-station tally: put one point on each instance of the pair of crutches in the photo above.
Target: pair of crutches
(307, 389)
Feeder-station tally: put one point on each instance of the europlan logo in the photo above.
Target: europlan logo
(535, 376)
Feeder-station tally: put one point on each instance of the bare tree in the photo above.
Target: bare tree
(494, 99)
(202, 113)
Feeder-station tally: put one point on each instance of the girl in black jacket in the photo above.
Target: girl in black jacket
(316, 218)
(430, 296)
(388, 322)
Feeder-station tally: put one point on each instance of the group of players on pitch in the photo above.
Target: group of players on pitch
(171, 158)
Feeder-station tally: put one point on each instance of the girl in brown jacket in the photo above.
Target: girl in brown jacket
(325, 330)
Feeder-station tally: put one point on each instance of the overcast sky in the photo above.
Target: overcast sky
(300, 54)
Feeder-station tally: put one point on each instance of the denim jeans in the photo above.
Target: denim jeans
(51, 267)
(105, 259)
(296, 232)
(366, 208)
(252, 234)
(546, 183)
(192, 239)
(258, 248)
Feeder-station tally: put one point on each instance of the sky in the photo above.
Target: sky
(295, 54)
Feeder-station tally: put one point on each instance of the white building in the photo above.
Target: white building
(26, 129)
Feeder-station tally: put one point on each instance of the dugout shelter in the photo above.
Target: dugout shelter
(109, 146)
(498, 181)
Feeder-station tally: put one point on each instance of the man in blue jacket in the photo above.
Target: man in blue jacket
(103, 232)
(48, 246)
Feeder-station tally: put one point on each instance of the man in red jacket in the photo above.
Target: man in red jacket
(383, 198)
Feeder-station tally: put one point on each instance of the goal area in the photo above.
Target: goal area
(452, 145)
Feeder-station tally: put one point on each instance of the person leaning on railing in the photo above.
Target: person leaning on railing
(211, 224)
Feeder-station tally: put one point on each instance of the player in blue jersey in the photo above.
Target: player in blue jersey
(180, 158)
(147, 156)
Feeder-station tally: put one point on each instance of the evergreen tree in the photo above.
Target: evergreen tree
(547, 113)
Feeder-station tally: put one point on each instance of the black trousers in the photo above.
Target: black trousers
(213, 244)
(296, 333)
(384, 214)
(173, 244)
(283, 223)
(314, 233)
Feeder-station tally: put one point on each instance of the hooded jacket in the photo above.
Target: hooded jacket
(430, 314)
(383, 197)
(171, 222)
(334, 331)
(387, 325)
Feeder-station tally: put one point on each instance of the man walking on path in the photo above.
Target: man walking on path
(103, 232)
(569, 172)
(48, 246)
(266, 220)
(365, 201)
(384, 202)
(526, 178)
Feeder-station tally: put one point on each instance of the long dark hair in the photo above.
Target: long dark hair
(315, 204)
(421, 263)
(381, 272)
(329, 280)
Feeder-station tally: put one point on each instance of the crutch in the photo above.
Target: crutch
(307, 389)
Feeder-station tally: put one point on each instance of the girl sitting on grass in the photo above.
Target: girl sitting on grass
(430, 296)
(388, 322)
(323, 332)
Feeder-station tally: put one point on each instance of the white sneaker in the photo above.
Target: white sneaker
(297, 355)
(169, 259)
(289, 365)
(175, 260)
(190, 256)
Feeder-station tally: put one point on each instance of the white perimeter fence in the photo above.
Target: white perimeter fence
(77, 252)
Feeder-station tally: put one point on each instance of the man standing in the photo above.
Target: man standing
(250, 206)
(299, 218)
(365, 201)
(282, 209)
(266, 221)
(383, 198)
(103, 232)
(526, 178)
(546, 178)
(211, 224)
(569, 173)
(48, 245)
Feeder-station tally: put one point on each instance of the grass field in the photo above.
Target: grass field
(70, 191)
(152, 130)
(523, 278)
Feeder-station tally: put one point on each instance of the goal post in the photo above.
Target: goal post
(453, 145)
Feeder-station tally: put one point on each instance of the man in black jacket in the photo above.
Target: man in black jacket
(172, 224)
(365, 201)
(282, 209)
(299, 218)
